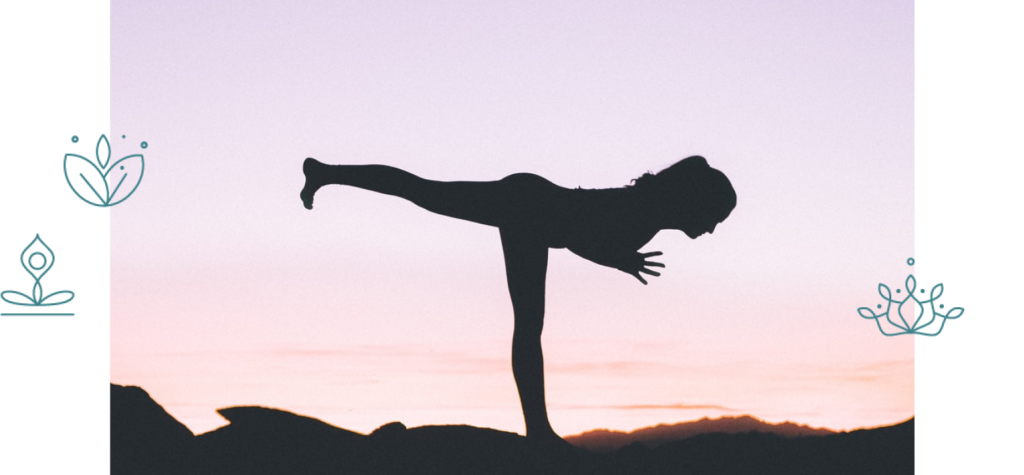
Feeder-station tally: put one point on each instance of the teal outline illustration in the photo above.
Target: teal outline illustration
(912, 304)
(101, 176)
(37, 259)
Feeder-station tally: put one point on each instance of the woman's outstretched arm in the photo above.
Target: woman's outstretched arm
(629, 261)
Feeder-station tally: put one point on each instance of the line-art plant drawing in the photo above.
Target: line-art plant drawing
(37, 259)
(913, 316)
(99, 182)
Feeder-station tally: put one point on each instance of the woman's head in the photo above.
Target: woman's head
(689, 196)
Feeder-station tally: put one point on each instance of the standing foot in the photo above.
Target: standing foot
(314, 180)
(550, 441)
(547, 435)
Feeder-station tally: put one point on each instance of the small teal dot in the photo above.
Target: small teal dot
(879, 305)
(910, 261)
(122, 167)
(74, 138)
(144, 145)
(122, 136)
(922, 291)
(898, 291)
(942, 306)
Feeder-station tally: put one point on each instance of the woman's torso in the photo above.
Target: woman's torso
(560, 217)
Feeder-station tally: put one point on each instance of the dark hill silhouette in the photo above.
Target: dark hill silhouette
(262, 440)
(146, 440)
(603, 440)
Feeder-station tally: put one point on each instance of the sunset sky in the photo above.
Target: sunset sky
(366, 310)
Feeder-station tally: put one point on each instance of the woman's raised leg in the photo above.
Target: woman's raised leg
(480, 202)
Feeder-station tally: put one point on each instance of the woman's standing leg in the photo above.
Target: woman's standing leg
(480, 202)
(526, 265)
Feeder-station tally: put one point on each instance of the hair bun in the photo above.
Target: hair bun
(695, 161)
(687, 170)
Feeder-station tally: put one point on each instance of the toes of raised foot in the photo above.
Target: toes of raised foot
(309, 164)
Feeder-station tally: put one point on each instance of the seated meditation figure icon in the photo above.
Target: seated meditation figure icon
(37, 271)
(604, 226)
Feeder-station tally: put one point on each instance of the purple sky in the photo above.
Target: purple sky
(367, 309)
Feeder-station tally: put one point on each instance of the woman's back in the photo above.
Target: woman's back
(560, 217)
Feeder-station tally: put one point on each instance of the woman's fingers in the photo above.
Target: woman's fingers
(644, 264)
(651, 263)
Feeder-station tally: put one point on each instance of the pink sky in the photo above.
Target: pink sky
(368, 310)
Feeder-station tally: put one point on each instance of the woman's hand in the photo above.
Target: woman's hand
(628, 261)
(638, 264)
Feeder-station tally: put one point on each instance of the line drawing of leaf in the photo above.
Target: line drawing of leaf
(102, 140)
(888, 295)
(43, 300)
(124, 177)
(101, 201)
(7, 295)
(85, 179)
(935, 294)
(955, 313)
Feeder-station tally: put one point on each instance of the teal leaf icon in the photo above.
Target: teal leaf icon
(119, 180)
(57, 298)
(98, 197)
(867, 313)
(124, 177)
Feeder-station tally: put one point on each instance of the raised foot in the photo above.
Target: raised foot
(310, 168)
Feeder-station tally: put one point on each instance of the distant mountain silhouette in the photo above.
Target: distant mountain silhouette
(887, 450)
(603, 440)
(146, 440)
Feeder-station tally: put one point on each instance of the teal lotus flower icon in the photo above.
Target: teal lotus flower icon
(99, 182)
(37, 259)
(913, 316)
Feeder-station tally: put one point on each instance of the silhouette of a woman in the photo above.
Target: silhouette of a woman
(603, 226)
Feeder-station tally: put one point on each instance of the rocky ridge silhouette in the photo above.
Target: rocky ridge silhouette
(145, 439)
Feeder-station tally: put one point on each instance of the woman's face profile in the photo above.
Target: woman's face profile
(699, 227)
(700, 218)
(698, 198)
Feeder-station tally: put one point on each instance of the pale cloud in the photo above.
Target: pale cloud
(634, 407)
